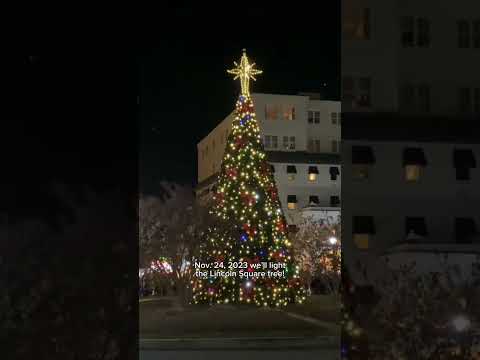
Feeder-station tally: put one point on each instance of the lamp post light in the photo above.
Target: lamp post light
(332, 240)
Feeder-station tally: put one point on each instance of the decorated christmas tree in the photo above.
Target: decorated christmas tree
(250, 231)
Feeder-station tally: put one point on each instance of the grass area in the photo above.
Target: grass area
(158, 319)
(321, 307)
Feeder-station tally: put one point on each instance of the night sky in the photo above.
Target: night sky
(185, 90)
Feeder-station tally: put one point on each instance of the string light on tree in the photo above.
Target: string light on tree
(251, 225)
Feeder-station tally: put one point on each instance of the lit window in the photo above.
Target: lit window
(292, 202)
(361, 171)
(289, 113)
(291, 172)
(356, 24)
(363, 229)
(413, 161)
(312, 173)
(271, 112)
(412, 172)
(361, 241)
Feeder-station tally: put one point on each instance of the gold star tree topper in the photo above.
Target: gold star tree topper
(245, 71)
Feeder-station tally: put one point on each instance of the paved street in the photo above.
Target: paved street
(170, 331)
(315, 354)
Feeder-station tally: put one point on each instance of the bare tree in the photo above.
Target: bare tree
(170, 229)
(318, 252)
(429, 316)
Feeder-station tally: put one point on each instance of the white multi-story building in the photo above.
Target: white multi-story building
(410, 79)
(301, 135)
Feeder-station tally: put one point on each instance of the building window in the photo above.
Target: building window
(275, 142)
(407, 98)
(334, 201)
(316, 116)
(364, 98)
(412, 172)
(289, 142)
(463, 30)
(463, 161)
(310, 146)
(310, 117)
(206, 150)
(272, 169)
(366, 24)
(334, 173)
(348, 91)
(291, 172)
(268, 142)
(413, 162)
(407, 31)
(289, 113)
(423, 35)
(292, 202)
(362, 161)
(317, 145)
(335, 147)
(356, 24)
(312, 173)
(415, 227)
(464, 100)
(424, 98)
(271, 112)
(333, 116)
(476, 34)
(415, 98)
(465, 230)
(363, 229)
(476, 101)
(469, 100)
(313, 200)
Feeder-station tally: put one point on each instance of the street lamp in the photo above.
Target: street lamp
(332, 240)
